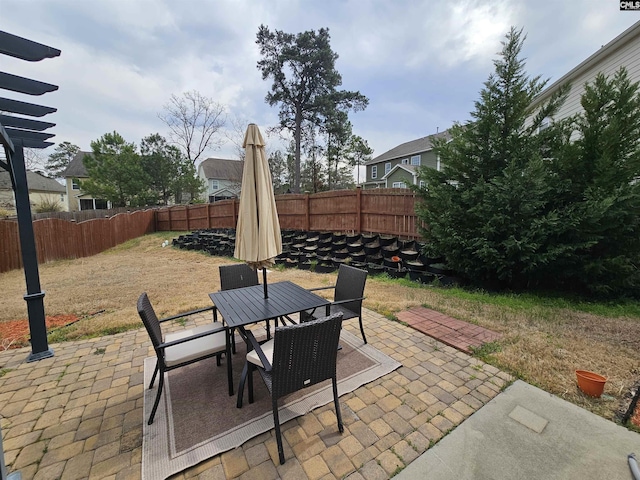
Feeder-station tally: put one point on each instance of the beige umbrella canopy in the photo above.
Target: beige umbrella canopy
(258, 238)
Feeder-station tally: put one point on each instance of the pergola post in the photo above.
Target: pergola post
(19, 133)
(34, 297)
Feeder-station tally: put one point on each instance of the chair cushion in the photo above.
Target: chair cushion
(267, 349)
(346, 313)
(193, 349)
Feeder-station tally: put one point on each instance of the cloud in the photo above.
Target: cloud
(421, 63)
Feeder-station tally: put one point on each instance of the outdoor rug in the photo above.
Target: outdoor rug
(197, 419)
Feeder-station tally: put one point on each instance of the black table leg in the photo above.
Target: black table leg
(243, 378)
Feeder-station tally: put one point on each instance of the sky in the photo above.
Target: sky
(421, 64)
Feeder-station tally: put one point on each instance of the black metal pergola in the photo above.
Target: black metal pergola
(17, 133)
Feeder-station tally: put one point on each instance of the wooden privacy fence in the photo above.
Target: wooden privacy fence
(387, 211)
(58, 239)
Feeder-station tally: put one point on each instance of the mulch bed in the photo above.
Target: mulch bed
(15, 333)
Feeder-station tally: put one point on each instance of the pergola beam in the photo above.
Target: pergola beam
(21, 133)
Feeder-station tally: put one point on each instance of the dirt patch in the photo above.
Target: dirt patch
(15, 333)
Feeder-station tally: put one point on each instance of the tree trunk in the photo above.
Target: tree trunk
(296, 167)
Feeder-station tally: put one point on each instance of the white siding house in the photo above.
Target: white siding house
(76, 199)
(222, 178)
(622, 51)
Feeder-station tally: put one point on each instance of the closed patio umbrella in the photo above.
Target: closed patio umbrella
(258, 238)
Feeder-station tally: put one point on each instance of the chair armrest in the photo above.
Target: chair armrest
(192, 337)
(349, 300)
(185, 314)
(320, 288)
(258, 349)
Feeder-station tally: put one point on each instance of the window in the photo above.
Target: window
(62, 197)
(214, 185)
(415, 160)
(93, 204)
(405, 161)
(387, 168)
(423, 184)
(399, 185)
(74, 184)
(374, 171)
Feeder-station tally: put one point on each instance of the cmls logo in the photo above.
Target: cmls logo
(629, 5)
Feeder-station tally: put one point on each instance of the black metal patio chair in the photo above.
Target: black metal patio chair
(347, 297)
(177, 349)
(238, 276)
(297, 357)
(234, 276)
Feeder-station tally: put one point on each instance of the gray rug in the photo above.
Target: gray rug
(196, 418)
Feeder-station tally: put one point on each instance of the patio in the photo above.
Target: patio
(79, 414)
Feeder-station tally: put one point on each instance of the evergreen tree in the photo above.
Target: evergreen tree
(170, 173)
(59, 160)
(188, 182)
(601, 172)
(305, 82)
(115, 172)
(277, 165)
(489, 211)
(358, 153)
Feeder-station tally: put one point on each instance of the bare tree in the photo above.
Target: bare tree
(193, 122)
(235, 134)
(34, 160)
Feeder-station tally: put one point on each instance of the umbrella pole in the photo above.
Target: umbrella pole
(264, 281)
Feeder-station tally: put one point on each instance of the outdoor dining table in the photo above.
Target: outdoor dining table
(241, 307)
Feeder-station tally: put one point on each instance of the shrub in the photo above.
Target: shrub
(517, 208)
(47, 205)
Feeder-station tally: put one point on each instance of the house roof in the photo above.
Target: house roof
(413, 147)
(222, 169)
(625, 37)
(36, 182)
(76, 168)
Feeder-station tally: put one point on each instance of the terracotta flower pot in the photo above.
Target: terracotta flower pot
(590, 383)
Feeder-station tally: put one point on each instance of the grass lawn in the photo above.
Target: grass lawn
(545, 339)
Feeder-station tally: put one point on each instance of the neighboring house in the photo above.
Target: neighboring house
(42, 190)
(222, 177)
(77, 200)
(397, 168)
(622, 51)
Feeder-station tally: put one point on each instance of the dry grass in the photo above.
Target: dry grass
(542, 345)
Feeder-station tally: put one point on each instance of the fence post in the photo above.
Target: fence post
(233, 212)
(208, 215)
(186, 211)
(358, 210)
(307, 212)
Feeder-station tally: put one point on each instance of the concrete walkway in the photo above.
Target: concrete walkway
(528, 433)
(79, 414)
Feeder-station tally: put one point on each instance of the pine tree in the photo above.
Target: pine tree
(602, 173)
(59, 160)
(489, 211)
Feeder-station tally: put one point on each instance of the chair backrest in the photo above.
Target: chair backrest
(305, 354)
(150, 319)
(350, 284)
(237, 276)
